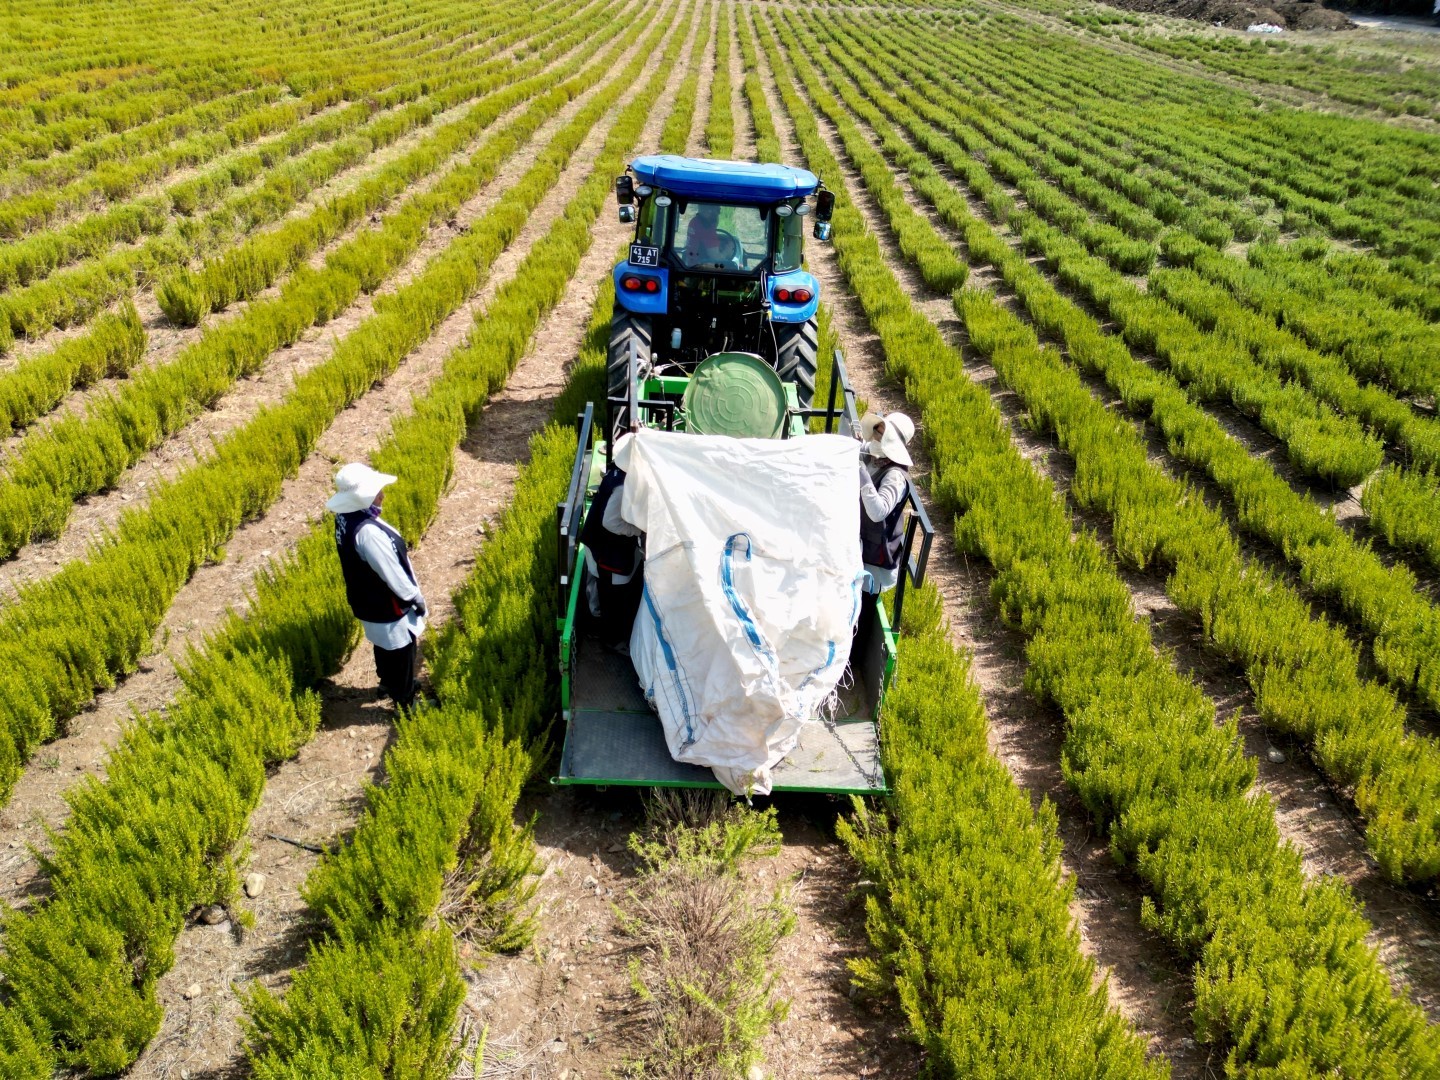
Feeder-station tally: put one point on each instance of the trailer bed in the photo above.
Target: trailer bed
(613, 737)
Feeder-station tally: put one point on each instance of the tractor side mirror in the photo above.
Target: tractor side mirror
(824, 208)
(625, 191)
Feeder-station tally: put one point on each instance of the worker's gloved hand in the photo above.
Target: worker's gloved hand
(419, 607)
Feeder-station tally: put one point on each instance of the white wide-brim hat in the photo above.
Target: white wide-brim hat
(356, 486)
(899, 429)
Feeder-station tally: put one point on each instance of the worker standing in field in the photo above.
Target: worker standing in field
(884, 472)
(379, 580)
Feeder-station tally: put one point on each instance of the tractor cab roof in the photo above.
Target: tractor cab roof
(728, 181)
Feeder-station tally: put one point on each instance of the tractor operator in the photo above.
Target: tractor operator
(379, 580)
(882, 497)
(704, 242)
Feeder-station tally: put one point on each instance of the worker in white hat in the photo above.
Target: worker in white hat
(884, 480)
(379, 580)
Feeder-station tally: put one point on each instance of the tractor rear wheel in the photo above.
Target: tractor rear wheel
(627, 332)
(797, 354)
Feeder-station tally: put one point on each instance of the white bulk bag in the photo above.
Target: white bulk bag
(752, 589)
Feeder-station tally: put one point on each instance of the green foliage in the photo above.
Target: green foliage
(702, 833)
(113, 345)
(93, 619)
(1405, 506)
(720, 124)
(361, 1011)
(675, 136)
(969, 910)
(1356, 729)
(346, 139)
(703, 973)
(456, 769)
(1282, 970)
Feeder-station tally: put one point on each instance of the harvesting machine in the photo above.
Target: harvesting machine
(721, 347)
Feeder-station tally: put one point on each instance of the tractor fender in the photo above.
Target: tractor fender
(785, 312)
(642, 303)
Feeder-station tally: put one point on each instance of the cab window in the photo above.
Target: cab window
(789, 243)
(715, 236)
(654, 220)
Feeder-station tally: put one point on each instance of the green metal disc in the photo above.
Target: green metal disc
(735, 394)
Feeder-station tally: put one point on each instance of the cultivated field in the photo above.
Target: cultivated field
(1164, 301)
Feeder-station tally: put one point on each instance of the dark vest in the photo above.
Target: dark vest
(611, 551)
(881, 542)
(370, 598)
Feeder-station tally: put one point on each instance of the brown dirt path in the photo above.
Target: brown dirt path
(1310, 813)
(38, 800)
(1144, 979)
(317, 796)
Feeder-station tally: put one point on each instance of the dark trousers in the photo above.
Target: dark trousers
(618, 605)
(396, 669)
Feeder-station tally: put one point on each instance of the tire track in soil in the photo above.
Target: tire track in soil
(317, 796)
(1310, 812)
(93, 515)
(1146, 982)
(201, 604)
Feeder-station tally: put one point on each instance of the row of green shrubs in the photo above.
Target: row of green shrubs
(89, 624)
(1336, 449)
(1357, 179)
(379, 993)
(130, 81)
(720, 123)
(1193, 285)
(66, 120)
(1283, 976)
(117, 167)
(1384, 601)
(247, 269)
(109, 348)
(82, 454)
(969, 914)
(186, 790)
(57, 187)
(1037, 75)
(676, 132)
(1305, 673)
(73, 295)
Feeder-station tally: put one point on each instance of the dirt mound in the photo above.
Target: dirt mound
(1238, 14)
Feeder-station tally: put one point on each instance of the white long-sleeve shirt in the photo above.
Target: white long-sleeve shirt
(877, 503)
(379, 554)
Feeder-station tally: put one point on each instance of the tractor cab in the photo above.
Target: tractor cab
(717, 266)
(616, 732)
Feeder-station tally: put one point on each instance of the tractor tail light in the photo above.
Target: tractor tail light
(801, 296)
(631, 284)
(782, 295)
(651, 285)
(635, 283)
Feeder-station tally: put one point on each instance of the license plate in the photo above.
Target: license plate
(644, 255)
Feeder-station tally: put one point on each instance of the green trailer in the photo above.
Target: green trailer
(612, 737)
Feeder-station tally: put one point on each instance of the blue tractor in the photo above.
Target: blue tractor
(716, 267)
